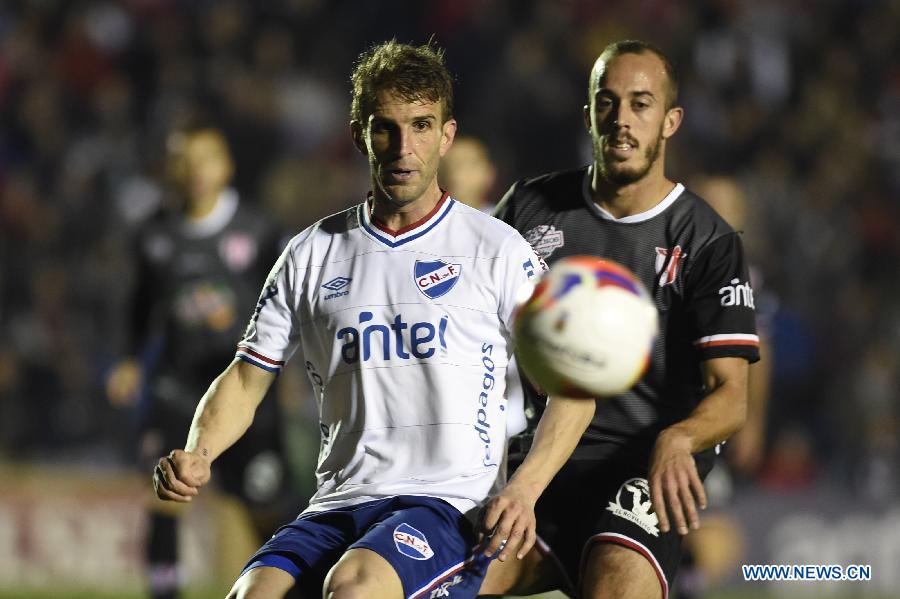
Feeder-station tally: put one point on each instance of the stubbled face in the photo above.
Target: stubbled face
(627, 116)
(404, 142)
(203, 167)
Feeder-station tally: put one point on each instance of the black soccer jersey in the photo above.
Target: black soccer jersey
(691, 262)
(197, 284)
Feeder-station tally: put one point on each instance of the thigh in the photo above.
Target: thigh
(429, 544)
(306, 548)
(613, 571)
(592, 503)
(538, 572)
(626, 549)
(567, 513)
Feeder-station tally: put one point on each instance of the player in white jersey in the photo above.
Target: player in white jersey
(400, 308)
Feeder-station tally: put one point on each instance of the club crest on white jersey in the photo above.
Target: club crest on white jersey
(436, 278)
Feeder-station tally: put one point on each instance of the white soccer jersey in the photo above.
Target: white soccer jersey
(406, 338)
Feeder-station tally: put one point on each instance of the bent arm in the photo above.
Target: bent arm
(724, 409)
(675, 485)
(508, 519)
(226, 410)
(558, 432)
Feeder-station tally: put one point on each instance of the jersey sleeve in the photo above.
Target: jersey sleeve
(720, 302)
(270, 338)
(523, 267)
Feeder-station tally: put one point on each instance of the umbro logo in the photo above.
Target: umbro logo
(336, 285)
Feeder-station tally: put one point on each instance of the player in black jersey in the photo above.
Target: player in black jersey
(198, 273)
(616, 513)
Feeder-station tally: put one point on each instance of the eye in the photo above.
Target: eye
(603, 103)
(640, 105)
(421, 125)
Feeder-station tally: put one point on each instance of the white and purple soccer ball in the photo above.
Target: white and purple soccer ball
(587, 329)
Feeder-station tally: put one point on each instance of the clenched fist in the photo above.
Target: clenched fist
(179, 476)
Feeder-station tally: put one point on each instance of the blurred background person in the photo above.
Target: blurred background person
(469, 174)
(745, 450)
(201, 261)
(706, 558)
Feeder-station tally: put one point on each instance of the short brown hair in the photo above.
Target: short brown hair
(415, 73)
(639, 47)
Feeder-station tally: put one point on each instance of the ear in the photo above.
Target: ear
(359, 137)
(448, 133)
(586, 112)
(672, 121)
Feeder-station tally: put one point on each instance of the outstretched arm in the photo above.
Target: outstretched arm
(222, 417)
(508, 518)
(675, 485)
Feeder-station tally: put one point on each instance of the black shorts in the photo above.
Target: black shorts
(606, 501)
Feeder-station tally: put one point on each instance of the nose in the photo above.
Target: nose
(403, 141)
(620, 115)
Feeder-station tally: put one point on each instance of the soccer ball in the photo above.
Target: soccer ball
(587, 329)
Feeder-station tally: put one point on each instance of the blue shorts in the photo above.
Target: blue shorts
(427, 541)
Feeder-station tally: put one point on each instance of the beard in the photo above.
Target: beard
(618, 173)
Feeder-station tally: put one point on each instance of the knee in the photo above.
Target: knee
(250, 592)
(345, 583)
(262, 583)
(362, 573)
(246, 592)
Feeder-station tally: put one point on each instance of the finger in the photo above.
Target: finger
(163, 486)
(192, 468)
(501, 533)
(489, 517)
(171, 479)
(689, 506)
(163, 491)
(513, 542)
(675, 508)
(657, 498)
(528, 542)
(493, 543)
(697, 488)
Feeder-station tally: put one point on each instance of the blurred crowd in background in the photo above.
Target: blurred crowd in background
(797, 103)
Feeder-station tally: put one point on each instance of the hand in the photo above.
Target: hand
(508, 523)
(179, 476)
(675, 485)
